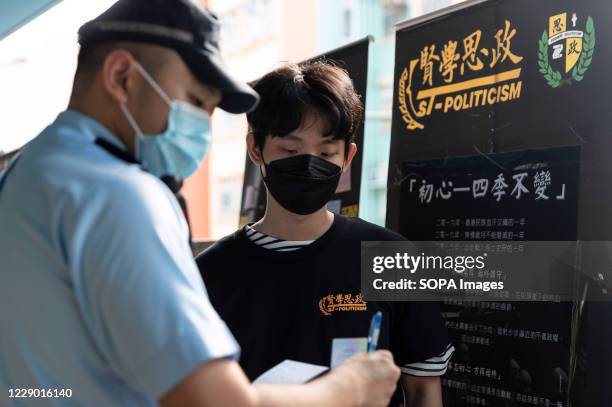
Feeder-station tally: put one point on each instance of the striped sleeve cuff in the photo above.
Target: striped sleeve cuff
(434, 366)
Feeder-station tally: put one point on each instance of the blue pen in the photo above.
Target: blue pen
(374, 331)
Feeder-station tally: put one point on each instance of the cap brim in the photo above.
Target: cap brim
(237, 97)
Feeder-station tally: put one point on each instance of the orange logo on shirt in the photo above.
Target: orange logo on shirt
(342, 302)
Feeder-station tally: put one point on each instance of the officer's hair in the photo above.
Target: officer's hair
(288, 93)
(91, 58)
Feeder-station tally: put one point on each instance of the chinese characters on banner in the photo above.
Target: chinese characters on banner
(505, 351)
(436, 80)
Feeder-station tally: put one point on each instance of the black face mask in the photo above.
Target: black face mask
(302, 184)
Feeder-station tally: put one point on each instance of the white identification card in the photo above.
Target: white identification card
(291, 372)
(344, 348)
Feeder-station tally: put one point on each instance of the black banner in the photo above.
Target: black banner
(354, 59)
(514, 92)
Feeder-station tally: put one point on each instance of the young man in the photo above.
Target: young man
(290, 283)
(102, 303)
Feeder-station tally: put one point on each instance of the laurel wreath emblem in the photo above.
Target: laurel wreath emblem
(587, 52)
(553, 77)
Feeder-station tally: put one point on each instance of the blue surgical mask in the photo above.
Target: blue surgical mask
(180, 149)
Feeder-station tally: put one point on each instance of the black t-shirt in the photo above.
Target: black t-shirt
(291, 304)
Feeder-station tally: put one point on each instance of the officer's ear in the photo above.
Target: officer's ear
(253, 149)
(118, 71)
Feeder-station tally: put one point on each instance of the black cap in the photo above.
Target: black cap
(187, 28)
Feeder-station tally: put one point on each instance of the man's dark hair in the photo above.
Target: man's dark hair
(289, 92)
(91, 58)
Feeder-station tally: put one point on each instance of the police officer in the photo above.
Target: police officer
(102, 303)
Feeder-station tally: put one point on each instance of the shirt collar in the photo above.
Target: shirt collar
(89, 127)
